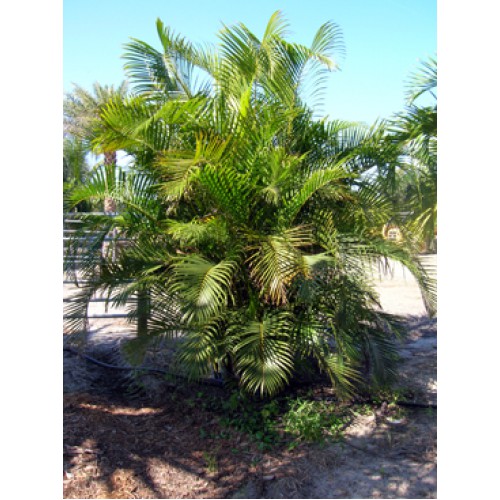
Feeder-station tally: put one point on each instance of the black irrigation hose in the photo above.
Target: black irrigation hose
(409, 404)
(214, 382)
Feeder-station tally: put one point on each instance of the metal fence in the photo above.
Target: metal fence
(72, 262)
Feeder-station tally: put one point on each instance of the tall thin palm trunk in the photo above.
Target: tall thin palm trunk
(110, 162)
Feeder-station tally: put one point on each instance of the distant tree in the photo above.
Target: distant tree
(416, 131)
(75, 167)
(82, 121)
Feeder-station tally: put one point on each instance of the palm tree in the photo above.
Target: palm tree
(250, 224)
(75, 168)
(416, 131)
(82, 111)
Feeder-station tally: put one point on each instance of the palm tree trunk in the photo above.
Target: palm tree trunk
(110, 203)
(109, 162)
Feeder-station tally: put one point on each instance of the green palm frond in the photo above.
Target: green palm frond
(164, 325)
(74, 165)
(178, 172)
(415, 132)
(263, 355)
(415, 123)
(273, 267)
(275, 172)
(375, 249)
(137, 122)
(423, 80)
(327, 43)
(380, 353)
(120, 119)
(165, 319)
(82, 108)
(206, 348)
(228, 190)
(76, 312)
(165, 74)
(179, 169)
(273, 67)
(372, 207)
(204, 286)
(139, 198)
(133, 192)
(199, 231)
(277, 27)
(100, 185)
(341, 372)
(311, 184)
(275, 260)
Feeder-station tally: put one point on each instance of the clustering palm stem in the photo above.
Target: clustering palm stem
(251, 226)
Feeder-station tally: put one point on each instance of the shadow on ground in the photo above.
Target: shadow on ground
(119, 446)
(134, 450)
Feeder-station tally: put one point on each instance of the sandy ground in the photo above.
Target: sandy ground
(398, 290)
(383, 455)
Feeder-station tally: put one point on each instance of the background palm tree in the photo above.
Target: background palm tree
(416, 131)
(82, 120)
(75, 167)
(251, 225)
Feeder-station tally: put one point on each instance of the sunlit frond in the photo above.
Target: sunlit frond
(204, 286)
(422, 81)
(263, 354)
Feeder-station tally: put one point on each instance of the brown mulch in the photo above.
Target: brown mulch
(120, 449)
(165, 442)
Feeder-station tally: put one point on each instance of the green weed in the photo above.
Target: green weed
(258, 420)
(312, 420)
(211, 462)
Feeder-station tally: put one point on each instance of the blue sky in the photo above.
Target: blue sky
(384, 41)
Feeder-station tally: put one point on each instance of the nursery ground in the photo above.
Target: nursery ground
(120, 444)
